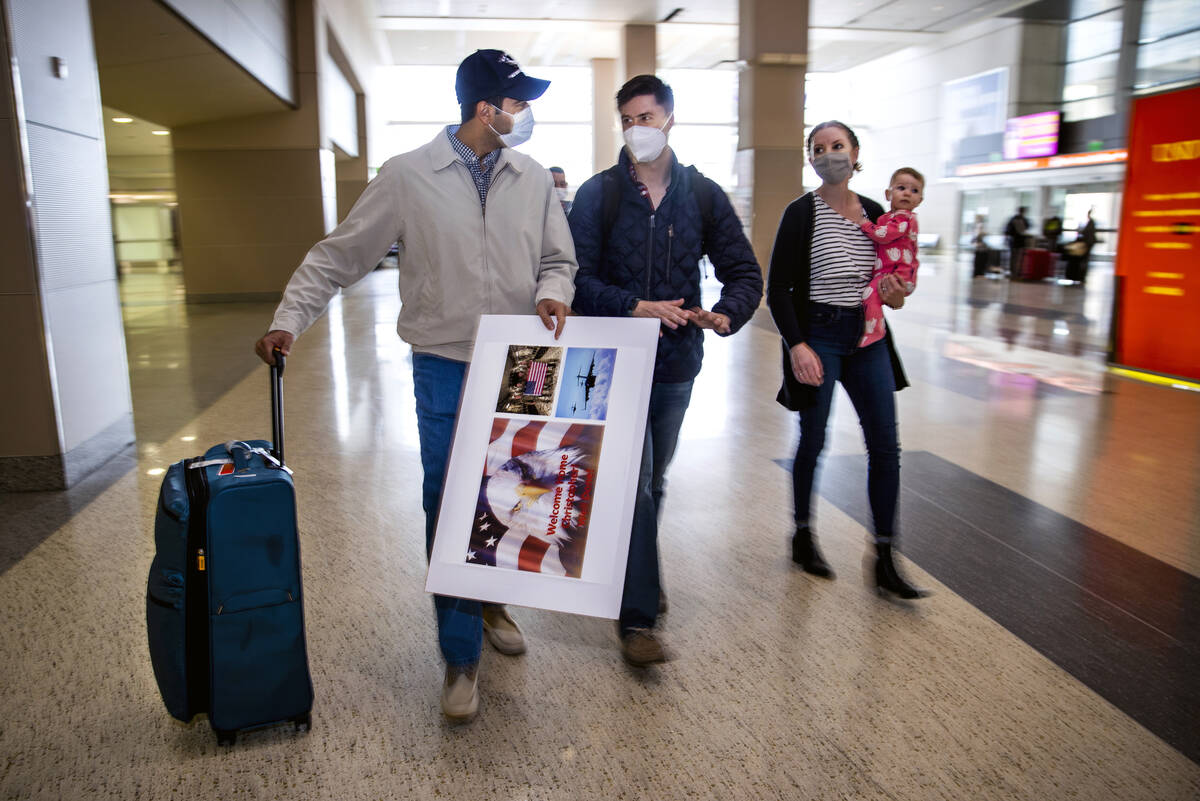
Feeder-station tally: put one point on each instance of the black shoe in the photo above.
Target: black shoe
(888, 578)
(806, 554)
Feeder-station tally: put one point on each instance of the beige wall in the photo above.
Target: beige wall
(29, 425)
(773, 41)
(901, 127)
(639, 51)
(73, 406)
(607, 141)
(255, 193)
(254, 33)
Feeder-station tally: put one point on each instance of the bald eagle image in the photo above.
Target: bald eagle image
(541, 496)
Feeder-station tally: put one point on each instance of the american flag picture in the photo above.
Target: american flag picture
(535, 379)
(530, 380)
(535, 499)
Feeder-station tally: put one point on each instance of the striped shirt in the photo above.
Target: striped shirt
(480, 168)
(843, 258)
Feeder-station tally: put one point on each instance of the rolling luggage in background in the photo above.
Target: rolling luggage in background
(1036, 264)
(224, 607)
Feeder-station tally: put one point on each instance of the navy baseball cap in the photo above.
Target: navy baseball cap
(494, 73)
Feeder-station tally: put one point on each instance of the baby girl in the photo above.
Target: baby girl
(895, 238)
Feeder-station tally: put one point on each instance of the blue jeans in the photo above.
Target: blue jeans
(437, 384)
(639, 602)
(866, 373)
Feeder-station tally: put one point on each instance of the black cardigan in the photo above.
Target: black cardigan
(788, 292)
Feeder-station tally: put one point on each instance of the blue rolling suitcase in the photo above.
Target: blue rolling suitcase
(224, 607)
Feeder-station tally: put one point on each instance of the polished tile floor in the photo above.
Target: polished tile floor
(1050, 505)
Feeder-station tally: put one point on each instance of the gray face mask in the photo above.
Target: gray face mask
(833, 167)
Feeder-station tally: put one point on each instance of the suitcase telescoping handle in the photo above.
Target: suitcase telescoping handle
(277, 406)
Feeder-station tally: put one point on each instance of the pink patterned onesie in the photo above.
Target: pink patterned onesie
(895, 238)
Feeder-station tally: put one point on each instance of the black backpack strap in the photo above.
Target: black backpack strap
(610, 196)
(702, 190)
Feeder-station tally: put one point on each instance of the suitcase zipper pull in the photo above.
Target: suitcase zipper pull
(200, 560)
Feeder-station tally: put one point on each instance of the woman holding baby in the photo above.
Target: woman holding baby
(821, 277)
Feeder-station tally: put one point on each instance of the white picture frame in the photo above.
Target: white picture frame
(538, 498)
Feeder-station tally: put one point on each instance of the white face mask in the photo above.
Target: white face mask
(561, 191)
(646, 143)
(522, 127)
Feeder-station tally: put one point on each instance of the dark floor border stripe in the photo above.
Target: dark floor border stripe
(1123, 623)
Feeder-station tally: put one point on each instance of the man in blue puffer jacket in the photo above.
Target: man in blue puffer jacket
(640, 229)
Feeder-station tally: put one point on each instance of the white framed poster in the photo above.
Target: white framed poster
(540, 485)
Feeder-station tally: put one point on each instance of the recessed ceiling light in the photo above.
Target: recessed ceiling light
(161, 133)
(122, 119)
(938, 8)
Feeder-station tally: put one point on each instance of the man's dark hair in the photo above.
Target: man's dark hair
(556, 169)
(468, 109)
(647, 85)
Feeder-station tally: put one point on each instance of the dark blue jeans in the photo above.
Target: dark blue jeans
(866, 373)
(639, 602)
(437, 384)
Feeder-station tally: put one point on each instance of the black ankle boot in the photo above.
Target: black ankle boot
(806, 554)
(888, 578)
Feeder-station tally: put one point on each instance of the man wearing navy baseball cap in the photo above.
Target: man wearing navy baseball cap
(433, 202)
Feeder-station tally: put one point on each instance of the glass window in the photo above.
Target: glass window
(706, 131)
(1166, 17)
(1084, 79)
(1090, 108)
(1169, 61)
(416, 94)
(1087, 8)
(704, 96)
(563, 144)
(562, 136)
(1094, 36)
(569, 98)
(416, 102)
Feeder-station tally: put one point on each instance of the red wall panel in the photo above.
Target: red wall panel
(1158, 256)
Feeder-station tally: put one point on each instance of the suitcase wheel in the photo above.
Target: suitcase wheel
(226, 737)
(303, 723)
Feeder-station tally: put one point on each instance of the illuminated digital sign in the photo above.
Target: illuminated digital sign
(1032, 136)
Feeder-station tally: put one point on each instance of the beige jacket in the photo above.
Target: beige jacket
(456, 262)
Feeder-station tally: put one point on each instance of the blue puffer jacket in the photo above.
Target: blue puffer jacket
(654, 254)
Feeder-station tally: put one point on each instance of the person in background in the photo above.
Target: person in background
(1087, 235)
(640, 229)
(560, 188)
(979, 244)
(1016, 231)
(432, 201)
(820, 265)
(1052, 230)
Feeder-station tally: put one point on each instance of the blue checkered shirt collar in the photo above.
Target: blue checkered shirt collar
(480, 168)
